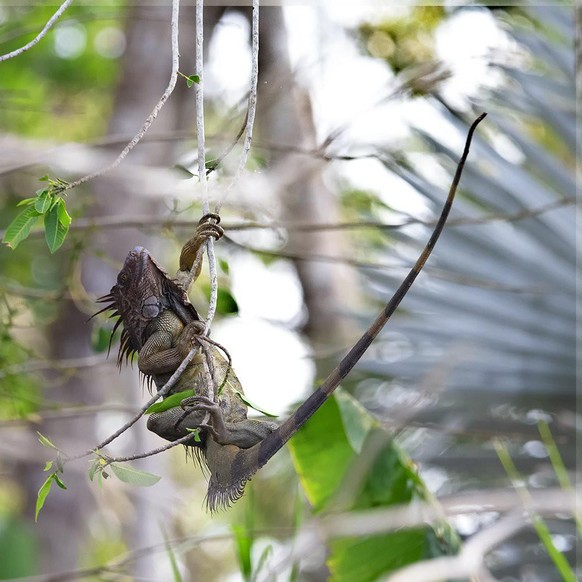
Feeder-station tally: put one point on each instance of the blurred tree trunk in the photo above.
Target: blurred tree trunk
(284, 117)
(145, 71)
(578, 56)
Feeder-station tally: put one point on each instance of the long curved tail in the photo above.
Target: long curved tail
(246, 462)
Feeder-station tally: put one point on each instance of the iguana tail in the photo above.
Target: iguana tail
(227, 487)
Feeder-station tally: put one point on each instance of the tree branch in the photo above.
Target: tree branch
(252, 104)
(181, 441)
(170, 223)
(371, 522)
(469, 561)
(40, 35)
(152, 116)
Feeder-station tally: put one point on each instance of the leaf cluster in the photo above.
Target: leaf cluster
(48, 204)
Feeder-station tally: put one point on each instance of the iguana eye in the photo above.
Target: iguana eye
(122, 278)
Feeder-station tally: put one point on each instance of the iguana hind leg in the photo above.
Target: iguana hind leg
(243, 433)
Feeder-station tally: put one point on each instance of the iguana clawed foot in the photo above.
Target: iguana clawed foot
(217, 428)
(208, 226)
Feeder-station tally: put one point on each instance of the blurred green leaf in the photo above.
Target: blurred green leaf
(95, 464)
(20, 227)
(243, 544)
(252, 405)
(59, 481)
(196, 433)
(348, 431)
(55, 231)
(225, 302)
(132, 476)
(43, 201)
(27, 201)
(177, 577)
(171, 401)
(45, 441)
(101, 336)
(64, 217)
(539, 524)
(190, 80)
(43, 494)
(224, 266)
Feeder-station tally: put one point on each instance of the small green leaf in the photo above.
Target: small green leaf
(186, 173)
(196, 433)
(243, 542)
(225, 303)
(172, 557)
(59, 481)
(267, 551)
(43, 201)
(42, 494)
(100, 338)
(48, 466)
(64, 217)
(20, 227)
(133, 476)
(223, 264)
(45, 178)
(190, 80)
(93, 468)
(55, 231)
(45, 442)
(170, 402)
(27, 201)
(253, 406)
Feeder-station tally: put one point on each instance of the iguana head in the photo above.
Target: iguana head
(142, 292)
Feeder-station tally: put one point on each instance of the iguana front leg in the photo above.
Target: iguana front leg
(168, 344)
(205, 230)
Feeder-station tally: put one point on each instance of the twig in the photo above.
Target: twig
(252, 105)
(200, 136)
(61, 365)
(159, 394)
(40, 35)
(383, 520)
(118, 565)
(358, 524)
(78, 411)
(437, 273)
(152, 116)
(181, 441)
(125, 221)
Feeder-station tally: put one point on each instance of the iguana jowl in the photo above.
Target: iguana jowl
(160, 324)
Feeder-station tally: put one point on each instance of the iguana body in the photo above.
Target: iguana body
(234, 447)
(161, 325)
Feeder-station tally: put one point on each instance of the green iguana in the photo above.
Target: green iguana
(161, 325)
